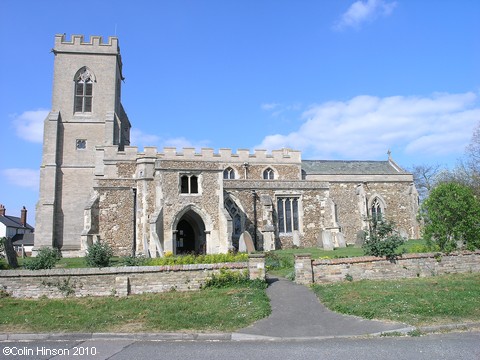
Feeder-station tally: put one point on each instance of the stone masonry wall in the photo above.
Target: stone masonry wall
(401, 207)
(372, 268)
(118, 281)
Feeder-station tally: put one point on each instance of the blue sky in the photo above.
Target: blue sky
(336, 79)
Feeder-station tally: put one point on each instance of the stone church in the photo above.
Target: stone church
(95, 186)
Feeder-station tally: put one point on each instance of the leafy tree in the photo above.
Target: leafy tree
(452, 213)
(383, 239)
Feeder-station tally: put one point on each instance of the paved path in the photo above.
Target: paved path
(297, 313)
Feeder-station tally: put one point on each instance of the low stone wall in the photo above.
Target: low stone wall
(373, 268)
(118, 281)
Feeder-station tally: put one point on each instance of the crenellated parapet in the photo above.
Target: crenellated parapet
(131, 153)
(286, 156)
(109, 156)
(77, 43)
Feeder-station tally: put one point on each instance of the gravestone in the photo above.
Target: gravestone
(10, 253)
(296, 238)
(340, 240)
(360, 239)
(245, 243)
(327, 241)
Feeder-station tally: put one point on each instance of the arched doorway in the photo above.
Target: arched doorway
(190, 234)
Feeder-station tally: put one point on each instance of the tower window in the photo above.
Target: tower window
(268, 174)
(84, 91)
(81, 144)
(189, 184)
(229, 173)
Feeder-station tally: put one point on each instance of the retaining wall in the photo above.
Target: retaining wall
(309, 271)
(119, 281)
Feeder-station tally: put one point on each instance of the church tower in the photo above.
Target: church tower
(86, 113)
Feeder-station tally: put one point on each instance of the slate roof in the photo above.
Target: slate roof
(13, 221)
(348, 167)
(23, 239)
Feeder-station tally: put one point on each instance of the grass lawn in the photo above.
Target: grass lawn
(281, 262)
(422, 301)
(208, 310)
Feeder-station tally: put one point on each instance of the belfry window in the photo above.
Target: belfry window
(268, 174)
(287, 210)
(83, 91)
(229, 173)
(189, 184)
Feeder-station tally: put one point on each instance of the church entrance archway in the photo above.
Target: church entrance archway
(190, 234)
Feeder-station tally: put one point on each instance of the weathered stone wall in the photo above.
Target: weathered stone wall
(116, 214)
(401, 206)
(373, 268)
(118, 281)
(313, 214)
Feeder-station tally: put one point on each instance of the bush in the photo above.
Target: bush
(99, 254)
(133, 261)
(383, 240)
(46, 259)
(229, 278)
(197, 259)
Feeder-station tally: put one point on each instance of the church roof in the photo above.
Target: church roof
(348, 167)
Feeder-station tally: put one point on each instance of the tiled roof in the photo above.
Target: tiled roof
(334, 167)
(13, 221)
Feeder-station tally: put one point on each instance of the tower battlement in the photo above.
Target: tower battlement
(95, 44)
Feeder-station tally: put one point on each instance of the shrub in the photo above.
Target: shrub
(383, 240)
(46, 259)
(99, 254)
(133, 261)
(197, 259)
(229, 278)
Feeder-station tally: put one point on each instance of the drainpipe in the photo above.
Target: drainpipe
(134, 245)
(254, 195)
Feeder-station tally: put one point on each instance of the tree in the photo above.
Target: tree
(425, 178)
(452, 214)
(472, 154)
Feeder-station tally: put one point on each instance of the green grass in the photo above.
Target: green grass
(281, 262)
(423, 301)
(208, 310)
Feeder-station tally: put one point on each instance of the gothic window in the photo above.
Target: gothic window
(268, 174)
(287, 210)
(83, 91)
(376, 209)
(229, 173)
(189, 184)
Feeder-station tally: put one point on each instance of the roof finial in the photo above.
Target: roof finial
(389, 154)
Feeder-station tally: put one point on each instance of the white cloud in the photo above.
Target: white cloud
(25, 178)
(29, 125)
(142, 139)
(366, 126)
(363, 11)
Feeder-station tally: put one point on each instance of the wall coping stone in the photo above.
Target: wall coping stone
(121, 270)
(362, 259)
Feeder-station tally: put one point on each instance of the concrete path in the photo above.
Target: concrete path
(297, 313)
